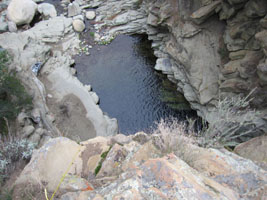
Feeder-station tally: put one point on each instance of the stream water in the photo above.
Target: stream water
(130, 90)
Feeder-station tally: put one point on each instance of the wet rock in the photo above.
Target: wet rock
(78, 25)
(21, 11)
(74, 9)
(204, 12)
(90, 15)
(47, 10)
(254, 149)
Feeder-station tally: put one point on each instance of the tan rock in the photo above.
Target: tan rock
(249, 63)
(204, 12)
(254, 149)
(230, 70)
(91, 155)
(143, 153)
(121, 139)
(51, 162)
(236, 85)
(164, 178)
(237, 54)
(111, 165)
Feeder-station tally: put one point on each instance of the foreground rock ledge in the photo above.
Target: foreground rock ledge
(160, 166)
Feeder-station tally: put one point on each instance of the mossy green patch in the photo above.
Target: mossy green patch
(103, 157)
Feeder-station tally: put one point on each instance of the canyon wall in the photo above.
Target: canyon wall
(210, 49)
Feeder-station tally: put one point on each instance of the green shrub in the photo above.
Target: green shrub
(13, 97)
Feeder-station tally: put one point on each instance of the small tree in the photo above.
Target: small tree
(13, 96)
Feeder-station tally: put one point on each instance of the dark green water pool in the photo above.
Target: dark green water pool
(130, 90)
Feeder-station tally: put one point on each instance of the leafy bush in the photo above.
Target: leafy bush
(13, 97)
(232, 121)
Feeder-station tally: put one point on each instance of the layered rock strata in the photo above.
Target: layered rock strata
(210, 49)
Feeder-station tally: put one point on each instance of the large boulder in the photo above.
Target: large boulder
(49, 163)
(21, 11)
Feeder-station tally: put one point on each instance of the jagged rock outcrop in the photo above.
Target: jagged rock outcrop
(160, 166)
